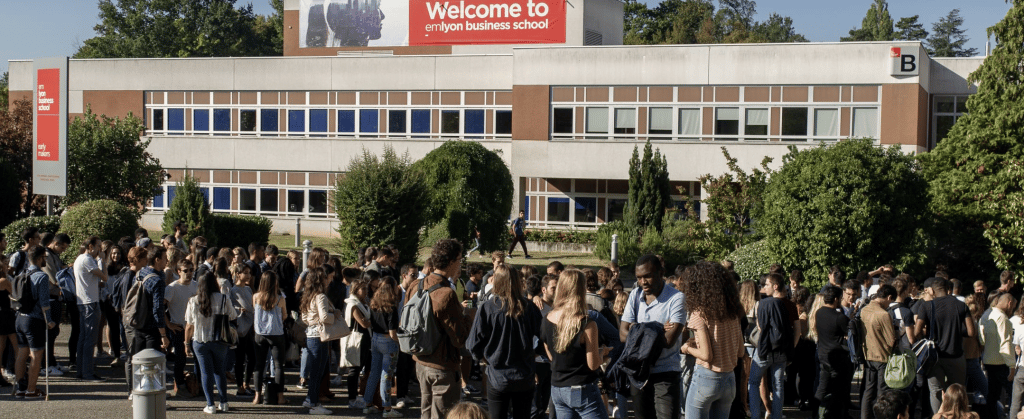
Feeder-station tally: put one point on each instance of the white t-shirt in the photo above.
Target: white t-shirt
(177, 296)
(87, 284)
(204, 325)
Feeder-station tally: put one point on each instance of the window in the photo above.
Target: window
(474, 121)
(158, 200)
(794, 121)
(396, 122)
(865, 122)
(616, 209)
(502, 122)
(947, 110)
(558, 209)
(625, 121)
(562, 121)
(176, 120)
(661, 121)
(221, 199)
(757, 123)
(318, 202)
(247, 120)
(449, 122)
(689, 122)
(247, 200)
(727, 121)
(296, 120)
(421, 121)
(296, 201)
(597, 120)
(158, 119)
(201, 120)
(586, 210)
(170, 195)
(368, 120)
(943, 123)
(268, 200)
(268, 121)
(826, 122)
(347, 121)
(945, 104)
(222, 120)
(318, 120)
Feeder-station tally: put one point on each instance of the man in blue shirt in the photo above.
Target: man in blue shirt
(519, 234)
(653, 301)
(31, 327)
(153, 333)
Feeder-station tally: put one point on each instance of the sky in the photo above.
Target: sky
(24, 34)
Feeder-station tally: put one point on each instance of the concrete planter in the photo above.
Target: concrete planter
(560, 247)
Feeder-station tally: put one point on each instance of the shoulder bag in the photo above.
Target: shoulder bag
(223, 331)
(336, 329)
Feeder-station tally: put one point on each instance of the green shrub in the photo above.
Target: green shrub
(629, 244)
(50, 223)
(240, 230)
(678, 243)
(103, 218)
(190, 207)
(562, 236)
(752, 260)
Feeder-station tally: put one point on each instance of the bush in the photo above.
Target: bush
(629, 247)
(678, 243)
(752, 260)
(103, 218)
(240, 230)
(562, 236)
(190, 206)
(50, 223)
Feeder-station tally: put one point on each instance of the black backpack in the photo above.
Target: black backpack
(138, 304)
(21, 296)
(855, 338)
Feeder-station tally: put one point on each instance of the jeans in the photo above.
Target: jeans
(75, 320)
(582, 402)
(89, 323)
(317, 367)
(180, 360)
(515, 398)
(834, 381)
(440, 390)
(687, 364)
(658, 399)
(1017, 396)
(800, 375)
(874, 386)
(212, 357)
(141, 339)
(946, 371)
(384, 352)
(997, 375)
(711, 394)
(758, 369)
(55, 314)
(977, 383)
(275, 346)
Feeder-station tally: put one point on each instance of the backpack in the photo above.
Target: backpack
(418, 333)
(22, 258)
(21, 294)
(66, 281)
(900, 369)
(925, 350)
(119, 284)
(137, 308)
(855, 338)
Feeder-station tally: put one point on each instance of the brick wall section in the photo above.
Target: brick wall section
(531, 112)
(904, 114)
(114, 103)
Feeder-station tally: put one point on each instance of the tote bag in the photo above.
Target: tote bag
(223, 331)
(335, 329)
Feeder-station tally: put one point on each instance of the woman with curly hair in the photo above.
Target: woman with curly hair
(384, 347)
(714, 308)
(316, 311)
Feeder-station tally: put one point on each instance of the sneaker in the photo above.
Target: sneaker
(319, 410)
(54, 372)
(336, 381)
(393, 413)
(529, 257)
(301, 385)
(223, 406)
(38, 394)
(64, 368)
(400, 404)
(469, 390)
(18, 394)
(370, 410)
(115, 362)
(129, 396)
(209, 410)
(357, 403)
(307, 404)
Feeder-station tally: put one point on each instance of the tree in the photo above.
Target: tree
(908, 29)
(649, 190)
(187, 28)
(850, 204)
(380, 201)
(4, 91)
(876, 26)
(468, 186)
(107, 159)
(734, 201)
(776, 29)
(972, 162)
(16, 151)
(948, 39)
(191, 207)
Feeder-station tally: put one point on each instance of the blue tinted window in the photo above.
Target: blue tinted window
(347, 121)
(368, 120)
(474, 121)
(297, 121)
(421, 120)
(176, 120)
(527, 209)
(158, 201)
(221, 198)
(170, 195)
(201, 120)
(222, 120)
(206, 194)
(396, 122)
(268, 120)
(318, 120)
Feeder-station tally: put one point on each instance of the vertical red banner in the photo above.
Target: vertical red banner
(48, 114)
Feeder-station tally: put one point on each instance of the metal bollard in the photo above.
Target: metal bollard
(308, 247)
(298, 231)
(149, 395)
(615, 248)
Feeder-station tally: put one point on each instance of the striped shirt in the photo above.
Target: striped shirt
(726, 340)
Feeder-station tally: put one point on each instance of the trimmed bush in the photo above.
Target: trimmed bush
(240, 230)
(629, 248)
(103, 218)
(561, 236)
(677, 243)
(752, 260)
(50, 223)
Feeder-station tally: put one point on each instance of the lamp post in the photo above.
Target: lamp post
(149, 395)
(615, 248)
(307, 248)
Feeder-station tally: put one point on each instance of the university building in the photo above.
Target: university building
(270, 136)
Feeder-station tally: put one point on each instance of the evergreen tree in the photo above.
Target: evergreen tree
(948, 38)
(876, 26)
(649, 189)
(191, 207)
(909, 29)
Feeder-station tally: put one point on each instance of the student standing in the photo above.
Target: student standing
(245, 353)
(199, 328)
(316, 311)
(88, 276)
(270, 314)
(384, 346)
(178, 295)
(774, 345)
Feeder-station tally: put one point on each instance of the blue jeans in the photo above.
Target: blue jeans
(711, 394)
(977, 382)
(88, 328)
(384, 353)
(317, 367)
(758, 368)
(578, 402)
(212, 358)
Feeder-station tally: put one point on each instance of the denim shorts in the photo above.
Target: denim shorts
(31, 333)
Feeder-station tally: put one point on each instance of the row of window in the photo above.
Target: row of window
(315, 122)
(264, 201)
(946, 111)
(731, 123)
(582, 211)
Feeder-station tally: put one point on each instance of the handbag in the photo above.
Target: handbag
(336, 329)
(925, 350)
(351, 344)
(223, 331)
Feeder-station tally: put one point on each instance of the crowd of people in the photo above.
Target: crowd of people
(694, 342)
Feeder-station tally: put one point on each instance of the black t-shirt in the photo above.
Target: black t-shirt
(569, 368)
(950, 316)
(831, 326)
(381, 322)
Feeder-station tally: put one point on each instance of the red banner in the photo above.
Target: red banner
(466, 22)
(48, 114)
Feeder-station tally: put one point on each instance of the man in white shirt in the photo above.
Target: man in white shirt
(998, 357)
(89, 275)
(177, 295)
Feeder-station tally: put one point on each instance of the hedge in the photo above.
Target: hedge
(102, 218)
(241, 230)
(752, 260)
(562, 236)
(629, 242)
(45, 223)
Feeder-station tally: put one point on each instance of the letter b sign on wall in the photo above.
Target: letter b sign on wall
(904, 61)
